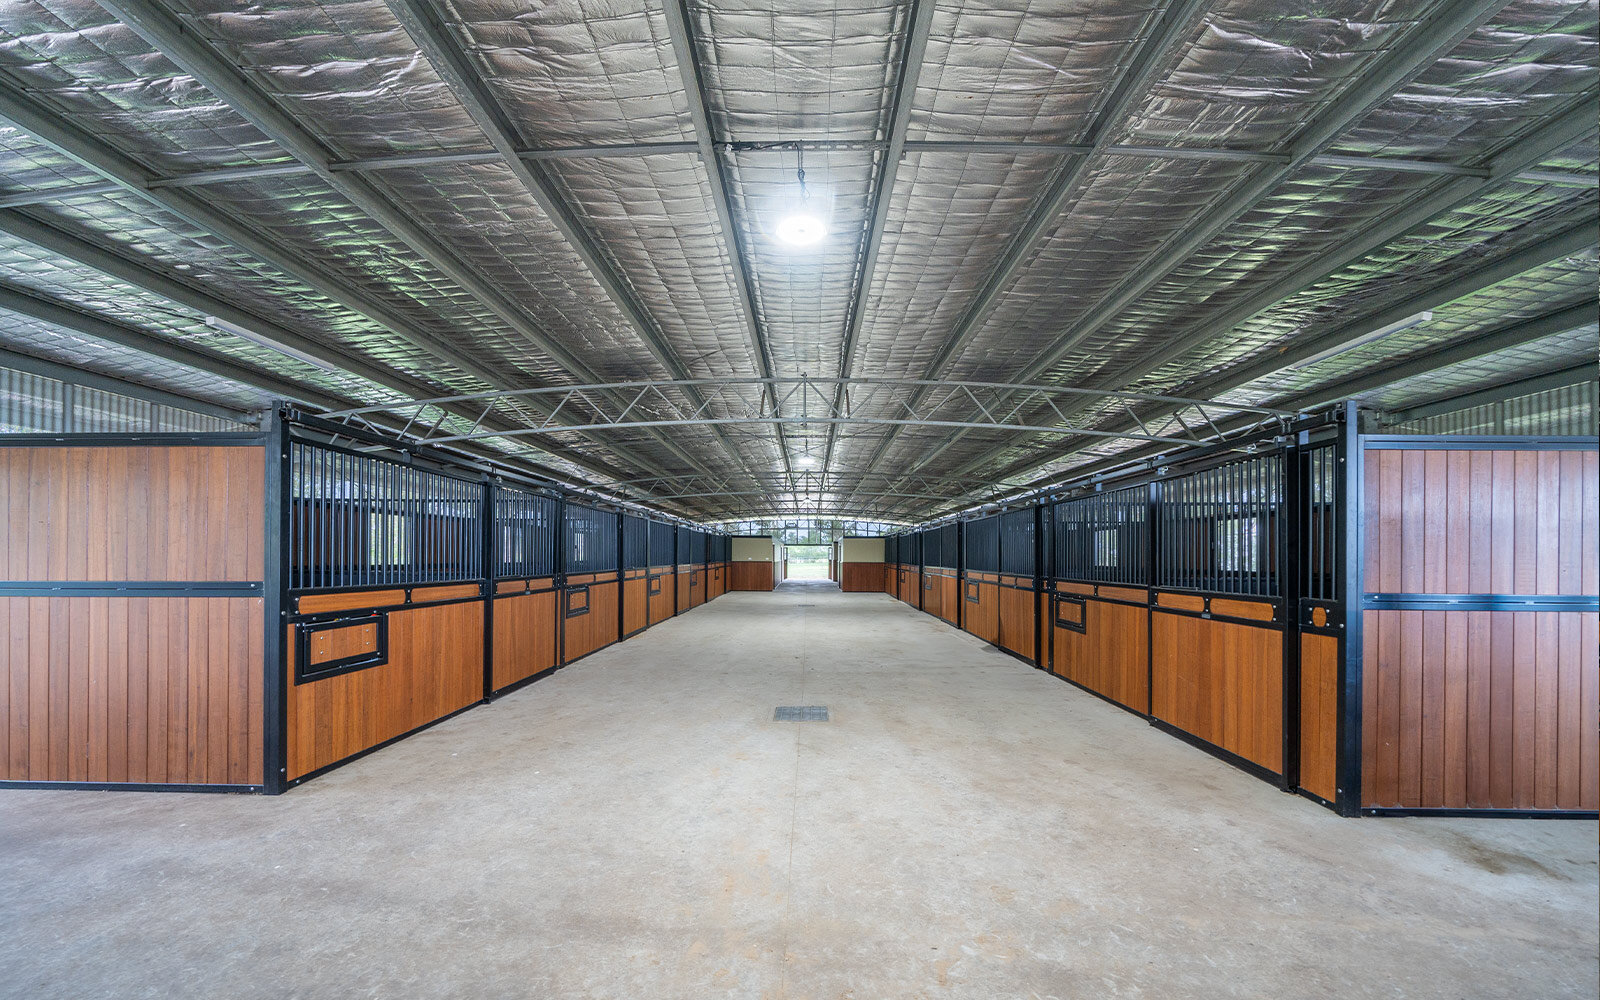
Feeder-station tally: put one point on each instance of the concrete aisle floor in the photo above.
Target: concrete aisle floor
(636, 826)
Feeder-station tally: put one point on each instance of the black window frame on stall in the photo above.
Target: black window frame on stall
(1119, 519)
(432, 522)
(525, 533)
(598, 536)
(1018, 542)
(635, 542)
(1196, 515)
(981, 544)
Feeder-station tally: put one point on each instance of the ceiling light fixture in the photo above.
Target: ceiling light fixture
(801, 228)
(806, 461)
(1366, 338)
(262, 340)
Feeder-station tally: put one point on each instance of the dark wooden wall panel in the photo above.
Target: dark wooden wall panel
(661, 602)
(982, 617)
(597, 629)
(1480, 710)
(435, 667)
(1319, 714)
(1111, 656)
(524, 636)
(860, 577)
(750, 576)
(132, 689)
(131, 513)
(949, 588)
(1481, 522)
(635, 610)
(1222, 682)
(1016, 609)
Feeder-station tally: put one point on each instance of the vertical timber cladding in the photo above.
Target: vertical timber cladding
(750, 563)
(635, 574)
(131, 616)
(861, 565)
(980, 578)
(941, 587)
(1017, 593)
(1321, 617)
(1217, 642)
(1479, 680)
(526, 625)
(1100, 594)
(661, 584)
(377, 541)
(591, 589)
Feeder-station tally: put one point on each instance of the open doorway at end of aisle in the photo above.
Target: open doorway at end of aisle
(807, 562)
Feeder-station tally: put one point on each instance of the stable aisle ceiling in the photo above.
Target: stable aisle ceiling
(452, 198)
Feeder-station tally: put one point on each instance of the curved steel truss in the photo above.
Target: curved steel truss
(803, 401)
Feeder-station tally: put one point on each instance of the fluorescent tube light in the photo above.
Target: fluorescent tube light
(262, 340)
(1366, 338)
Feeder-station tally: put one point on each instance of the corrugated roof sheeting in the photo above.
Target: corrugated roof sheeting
(41, 340)
(1013, 70)
(539, 60)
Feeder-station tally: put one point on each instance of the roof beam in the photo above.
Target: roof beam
(965, 147)
(96, 257)
(694, 86)
(420, 19)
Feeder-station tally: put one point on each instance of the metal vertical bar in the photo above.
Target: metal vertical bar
(1349, 542)
(277, 498)
(1292, 509)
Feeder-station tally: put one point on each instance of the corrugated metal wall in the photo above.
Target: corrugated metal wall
(36, 404)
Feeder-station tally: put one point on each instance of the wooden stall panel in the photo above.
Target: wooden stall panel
(1319, 715)
(949, 594)
(665, 583)
(145, 690)
(932, 595)
(1222, 682)
(685, 577)
(1481, 522)
(1480, 710)
(524, 636)
(593, 629)
(435, 667)
(1110, 656)
(860, 577)
(982, 616)
(756, 576)
(635, 612)
(165, 513)
(1016, 609)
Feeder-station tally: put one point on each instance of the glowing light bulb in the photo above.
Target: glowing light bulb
(801, 230)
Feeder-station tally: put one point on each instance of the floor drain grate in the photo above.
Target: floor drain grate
(800, 713)
(805, 605)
